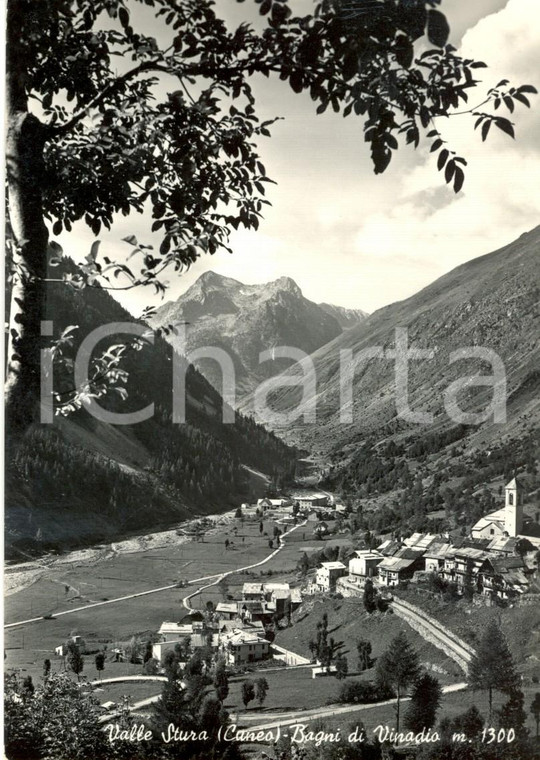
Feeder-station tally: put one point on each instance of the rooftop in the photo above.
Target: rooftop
(437, 551)
(252, 588)
(421, 540)
(333, 565)
(395, 563)
(226, 607)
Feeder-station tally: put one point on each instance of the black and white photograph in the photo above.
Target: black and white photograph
(272, 374)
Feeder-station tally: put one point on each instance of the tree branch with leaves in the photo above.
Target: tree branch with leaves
(175, 133)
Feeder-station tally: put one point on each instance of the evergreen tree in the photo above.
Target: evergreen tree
(173, 707)
(425, 701)
(398, 668)
(304, 564)
(492, 667)
(364, 654)
(147, 651)
(221, 681)
(512, 714)
(370, 603)
(75, 659)
(46, 668)
(342, 667)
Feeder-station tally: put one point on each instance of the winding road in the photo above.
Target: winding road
(215, 579)
(278, 720)
(219, 578)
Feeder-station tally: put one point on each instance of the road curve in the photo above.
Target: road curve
(152, 590)
(125, 679)
(219, 578)
(291, 718)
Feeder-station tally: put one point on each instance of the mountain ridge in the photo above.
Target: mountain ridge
(244, 320)
(490, 301)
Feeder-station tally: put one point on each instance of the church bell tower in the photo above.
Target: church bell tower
(513, 508)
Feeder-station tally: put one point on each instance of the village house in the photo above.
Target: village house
(308, 502)
(277, 597)
(400, 567)
(171, 631)
(78, 641)
(241, 647)
(503, 546)
(191, 630)
(226, 626)
(503, 577)
(364, 564)
(327, 575)
(227, 610)
(253, 592)
(435, 556)
(267, 503)
(160, 648)
(467, 563)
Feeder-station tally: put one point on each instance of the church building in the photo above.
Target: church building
(510, 520)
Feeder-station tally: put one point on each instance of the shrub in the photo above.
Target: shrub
(358, 692)
(150, 667)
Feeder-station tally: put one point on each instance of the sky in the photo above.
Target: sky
(352, 238)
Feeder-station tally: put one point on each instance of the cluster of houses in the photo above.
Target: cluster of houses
(490, 561)
(303, 504)
(236, 629)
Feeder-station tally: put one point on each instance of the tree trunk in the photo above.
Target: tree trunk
(490, 701)
(24, 157)
(397, 709)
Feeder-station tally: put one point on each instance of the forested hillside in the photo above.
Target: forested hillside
(82, 480)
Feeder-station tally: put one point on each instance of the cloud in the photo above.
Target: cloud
(431, 228)
(359, 240)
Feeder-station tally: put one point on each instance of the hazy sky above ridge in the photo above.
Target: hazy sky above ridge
(355, 239)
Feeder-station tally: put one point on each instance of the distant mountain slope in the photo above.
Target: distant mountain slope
(491, 301)
(82, 480)
(346, 317)
(247, 319)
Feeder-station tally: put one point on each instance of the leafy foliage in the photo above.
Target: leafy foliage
(358, 692)
(58, 719)
(261, 690)
(96, 143)
(248, 692)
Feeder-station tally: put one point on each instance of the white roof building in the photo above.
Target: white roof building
(175, 631)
